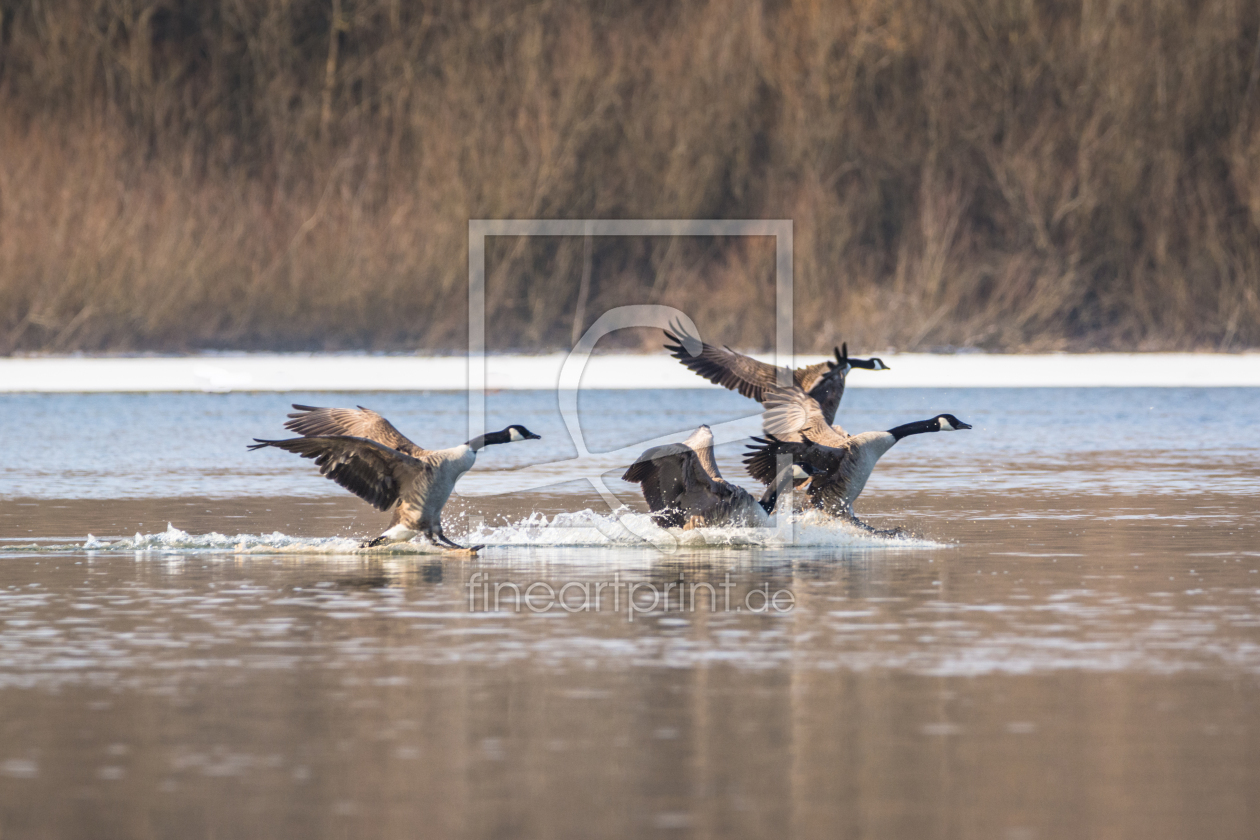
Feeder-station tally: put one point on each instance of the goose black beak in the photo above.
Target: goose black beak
(532, 436)
(962, 425)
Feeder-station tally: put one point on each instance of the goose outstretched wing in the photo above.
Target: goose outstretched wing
(833, 467)
(312, 421)
(723, 366)
(668, 473)
(751, 378)
(795, 426)
(374, 472)
(793, 415)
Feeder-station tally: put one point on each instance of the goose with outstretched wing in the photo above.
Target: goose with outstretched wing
(723, 366)
(795, 426)
(683, 488)
(363, 452)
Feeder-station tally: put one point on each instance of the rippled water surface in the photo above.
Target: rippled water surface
(1068, 646)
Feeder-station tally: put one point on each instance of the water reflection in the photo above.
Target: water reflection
(1033, 677)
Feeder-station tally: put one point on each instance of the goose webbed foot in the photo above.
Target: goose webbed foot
(850, 517)
(693, 523)
(372, 543)
(895, 533)
(440, 539)
(464, 549)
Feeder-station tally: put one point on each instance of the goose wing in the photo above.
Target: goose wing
(832, 490)
(723, 366)
(666, 474)
(792, 415)
(834, 467)
(809, 377)
(312, 421)
(795, 426)
(762, 457)
(374, 472)
(827, 390)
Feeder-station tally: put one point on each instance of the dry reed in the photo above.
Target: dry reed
(1009, 174)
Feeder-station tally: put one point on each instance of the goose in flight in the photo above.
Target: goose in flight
(751, 378)
(363, 452)
(683, 487)
(842, 463)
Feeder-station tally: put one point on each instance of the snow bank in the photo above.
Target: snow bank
(311, 372)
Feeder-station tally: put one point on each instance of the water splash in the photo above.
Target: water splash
(633, 529)
(587, 528)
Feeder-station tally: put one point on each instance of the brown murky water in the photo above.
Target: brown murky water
(1089, 670)
(1074, 650)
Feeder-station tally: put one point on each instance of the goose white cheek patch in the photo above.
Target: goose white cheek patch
(944, 424)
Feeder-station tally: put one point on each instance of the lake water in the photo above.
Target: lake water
(1069, 646)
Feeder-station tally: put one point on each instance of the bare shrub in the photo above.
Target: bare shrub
(299, 175)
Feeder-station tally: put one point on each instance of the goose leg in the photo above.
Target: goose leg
(438, 538)
(447, 541)
(435, 536)
(851, 517)
(470, 549)
(694, 522)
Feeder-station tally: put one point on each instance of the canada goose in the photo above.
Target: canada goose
(682, 486)
(363, 452)
(751, 378)
(794, 425)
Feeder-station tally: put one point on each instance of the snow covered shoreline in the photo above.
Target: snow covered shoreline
(220, 373)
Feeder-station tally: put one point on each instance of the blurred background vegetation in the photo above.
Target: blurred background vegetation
(299, 174)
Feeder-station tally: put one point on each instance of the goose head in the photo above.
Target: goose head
(950, 423)
(844, 362)
(517, 432)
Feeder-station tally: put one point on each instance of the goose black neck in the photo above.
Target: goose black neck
(921, 427)
(770, 498)
(481, 441)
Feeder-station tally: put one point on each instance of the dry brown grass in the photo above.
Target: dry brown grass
(999, 173)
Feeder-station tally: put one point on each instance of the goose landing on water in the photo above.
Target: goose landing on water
(795, 426)
(363, 452)
(751, 378)
(683, 487)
